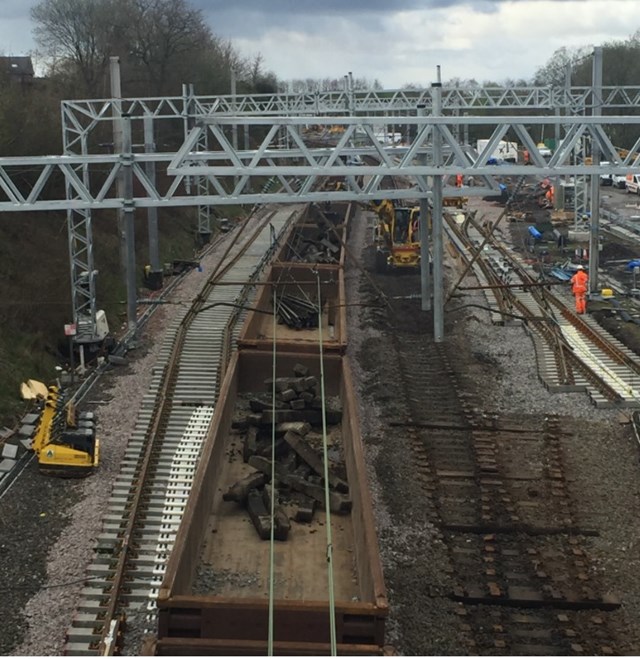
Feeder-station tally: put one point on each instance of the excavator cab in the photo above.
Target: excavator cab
(397, 236)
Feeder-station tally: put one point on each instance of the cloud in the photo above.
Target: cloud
(15, 27)
(403, 42)
(394, 41)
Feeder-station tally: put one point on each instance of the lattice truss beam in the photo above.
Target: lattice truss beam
(304, 172)
(361, 101)
(81, 117)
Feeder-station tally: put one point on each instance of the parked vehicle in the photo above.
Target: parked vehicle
(606, 179)
(633, 184)
(544, 150)
(504, 152)
(619, 181)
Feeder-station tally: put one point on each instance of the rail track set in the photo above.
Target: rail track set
(573, 352)
(169, 528)
(183, 566)
(200, 552)
(498, 495)
(496, 486)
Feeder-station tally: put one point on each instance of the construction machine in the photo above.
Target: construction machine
(65, 440)
(396, 236)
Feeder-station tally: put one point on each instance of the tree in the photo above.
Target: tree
(260, 81)
(554, 72)
(164, 37)
(82, 32)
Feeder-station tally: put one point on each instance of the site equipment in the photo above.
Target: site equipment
(396, 236)
(65, 441)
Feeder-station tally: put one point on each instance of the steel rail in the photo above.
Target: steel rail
(548, 327)
(111, 633)
(108, 628)
(549, 299)
(568, 363)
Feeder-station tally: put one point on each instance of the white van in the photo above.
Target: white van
(633, 184)
(606, 179)
(619, 181)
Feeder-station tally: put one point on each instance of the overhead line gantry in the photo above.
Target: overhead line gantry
(209, 170)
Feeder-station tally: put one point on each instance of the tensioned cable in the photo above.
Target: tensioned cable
(273, 481)
(332, 606)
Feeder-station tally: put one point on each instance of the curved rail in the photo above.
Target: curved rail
(584, 355)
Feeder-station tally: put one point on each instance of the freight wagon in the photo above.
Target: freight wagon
(318, 238)
(308, 304)
(214, 599)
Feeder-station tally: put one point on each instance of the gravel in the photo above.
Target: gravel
(49, 526)
(497, 371)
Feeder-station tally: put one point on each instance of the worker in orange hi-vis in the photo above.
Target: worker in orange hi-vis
(459, 180)
(579, 289)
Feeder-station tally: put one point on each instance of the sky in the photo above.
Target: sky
(396, 42)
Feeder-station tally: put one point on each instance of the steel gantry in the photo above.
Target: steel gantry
(208, 169)
(313, 166)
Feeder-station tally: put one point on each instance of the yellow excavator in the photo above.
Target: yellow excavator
(65, 440)
(396, 236)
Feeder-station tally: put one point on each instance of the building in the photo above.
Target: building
(18, 69)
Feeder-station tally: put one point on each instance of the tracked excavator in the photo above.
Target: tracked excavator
(65, 440)
(396, 236)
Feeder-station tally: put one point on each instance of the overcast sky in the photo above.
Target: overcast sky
(394, 41)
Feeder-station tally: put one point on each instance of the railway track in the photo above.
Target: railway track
(520, 577)
(498, 494)
(151, 491)
(574, 353)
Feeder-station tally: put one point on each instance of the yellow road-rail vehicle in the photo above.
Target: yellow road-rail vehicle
(65, 441)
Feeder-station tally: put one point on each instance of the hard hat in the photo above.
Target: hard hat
(580, 267)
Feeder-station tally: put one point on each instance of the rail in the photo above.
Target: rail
(166, 439)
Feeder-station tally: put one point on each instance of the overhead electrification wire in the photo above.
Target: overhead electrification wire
(332, 606)
(273, 479)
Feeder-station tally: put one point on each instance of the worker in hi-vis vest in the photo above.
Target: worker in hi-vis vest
(579, 289)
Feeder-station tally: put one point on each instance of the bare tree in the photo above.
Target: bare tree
(162, 34)
(554, 72)
(82, 32)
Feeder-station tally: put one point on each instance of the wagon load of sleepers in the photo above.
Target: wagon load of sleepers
(223, 575)
(283, 438)
(319, 238)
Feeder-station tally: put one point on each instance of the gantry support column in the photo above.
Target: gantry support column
(152, 211)
(425, 239)
(124, 185)
(438, 251)
(594, 234)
